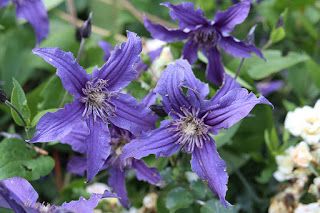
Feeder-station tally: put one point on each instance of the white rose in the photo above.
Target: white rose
(301, 155)
(309, 208)
(305, 122)
(285, 166)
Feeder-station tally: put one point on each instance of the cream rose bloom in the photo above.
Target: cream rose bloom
(309, 208)
(301, 155)
(305, 122)
(285, 166)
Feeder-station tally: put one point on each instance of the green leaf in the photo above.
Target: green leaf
(215, 206)
(178, 198)
(225, 136)
(277, 34)
(275, 62)
(17, 159)
(19, 100)
(50, 4)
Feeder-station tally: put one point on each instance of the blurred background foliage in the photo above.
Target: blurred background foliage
(288, 33)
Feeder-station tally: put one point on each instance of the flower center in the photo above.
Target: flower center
(206, 36)
(96, 98)
(191, 129)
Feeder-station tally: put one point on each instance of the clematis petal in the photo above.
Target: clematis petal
(98, 146)
(3, 3)
(107, 48)
(190, 51)
(72, 75)
(238, 48)
(215, 69)
(131, 115)
(160, 32)
(82, 205)
(160, 142)
(117, 182)
(231, 108)
(190, 81)
(186, 14)
(65, 125)
(149, 99)
(227, 20)
(145, 173)
(209, 166)
(229, 83)
(119, 69)
(17, 193)
(268, 87)
(77, 165)
(35, 13)
(169, 87)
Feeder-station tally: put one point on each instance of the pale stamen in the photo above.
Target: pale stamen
(97, 100)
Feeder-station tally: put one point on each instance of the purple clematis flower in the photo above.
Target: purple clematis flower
(18, 194)
(34, 12)
(192, 121)
(83, 124)
(206, 35)
(140, 66)
(117, 169)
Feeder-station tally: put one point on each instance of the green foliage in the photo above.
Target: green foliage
(178, 198)
(19, 100)
(18, 159)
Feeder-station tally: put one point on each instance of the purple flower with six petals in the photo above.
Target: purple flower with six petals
(206, 35)
(83, 124)
(18, 194)
(193, 120)
(34, 12)
(116, 168)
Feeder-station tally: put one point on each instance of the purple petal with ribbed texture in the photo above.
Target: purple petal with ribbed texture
(169, 87)
(17, 193)
(209, 166)
(160, 142)
(231, 108)
(190, 81)
(35, 13)
(215, 69)
(186, 15)
(225, 21)
(131, 115)
(229, 83)
(190, 51)
(117, 182)
(82, 205)
(160, 32)
(72, 75)
(107, 48)
(145, 173)
(60, 125)
(98, 146)
(238, 48)
(77, 165)
(119, 70)
(149, 99)
(77, 137)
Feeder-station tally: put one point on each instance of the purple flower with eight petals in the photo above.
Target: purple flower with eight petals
(18, 194)
(193, 119)
(34, 12)
(83, 124)
(206, 35)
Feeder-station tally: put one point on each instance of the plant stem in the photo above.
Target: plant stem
(239, 68)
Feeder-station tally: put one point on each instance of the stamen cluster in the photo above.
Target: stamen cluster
(191, 129)
(97, 100)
